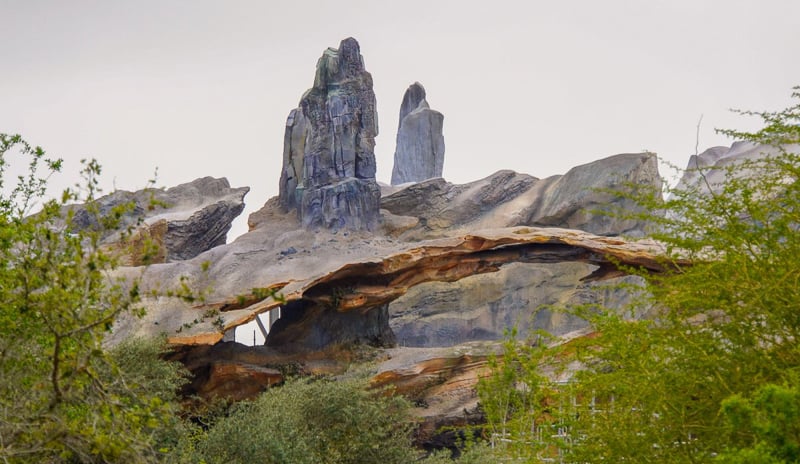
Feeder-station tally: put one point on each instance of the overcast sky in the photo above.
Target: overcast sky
(201, 87)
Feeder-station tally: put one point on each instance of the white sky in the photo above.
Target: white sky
(199, 87)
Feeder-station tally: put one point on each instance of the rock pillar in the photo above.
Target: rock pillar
(328, 158)
(420, 144)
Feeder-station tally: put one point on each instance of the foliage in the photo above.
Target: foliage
(517, 400)
(474, 453)
(764, 428)
(62, 397)
(309, 421)
(138, 374)
(714, 375)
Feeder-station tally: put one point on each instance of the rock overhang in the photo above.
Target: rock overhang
(369, 281)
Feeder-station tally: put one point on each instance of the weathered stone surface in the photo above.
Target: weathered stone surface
(393, 226)
(507, 199)
(351, 272)
(349, 204)
(235, 381)
(185, 220)
(441, 382)
(708, 169)
(294, 143)
(485, 306)
(419, 154)
(306, 326)
(328, 172)
(238, 372)
(412, 98)
(443, 208)
(570, 201)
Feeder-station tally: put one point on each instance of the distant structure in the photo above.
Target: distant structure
(420, 144)
(329, 167)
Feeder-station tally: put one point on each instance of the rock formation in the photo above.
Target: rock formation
(185, 220)
(483, 307)
(431, 273)
(420, 144)
(450, 268)
(330, 277)
(507, 199)
(435, 281)
(708, 169)
(328, 172)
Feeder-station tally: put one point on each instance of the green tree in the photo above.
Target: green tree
(518, 400)
(309, 421)
(63, 398)
(764, 428)
(670, 388)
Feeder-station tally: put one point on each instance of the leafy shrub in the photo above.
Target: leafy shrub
(62, 397)
(697, 382)
(309, 421)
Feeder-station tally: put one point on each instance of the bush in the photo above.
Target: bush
(309, 421)
(63, 398)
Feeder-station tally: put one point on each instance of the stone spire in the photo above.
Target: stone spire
(420, 144)
(329, 167)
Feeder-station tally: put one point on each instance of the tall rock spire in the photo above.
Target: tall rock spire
(420, 144)
(329, 167)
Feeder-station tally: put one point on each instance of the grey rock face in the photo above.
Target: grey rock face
(574, 200)
(507, 199)
(190, 218)
(482, 307)
(304, 326)
(709, 168)
(294, 141)
(349, 204)
(329, 166)
(420, 144)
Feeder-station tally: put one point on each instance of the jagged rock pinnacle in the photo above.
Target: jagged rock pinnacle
(420, 144)
(329, 166)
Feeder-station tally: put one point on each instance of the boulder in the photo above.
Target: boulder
(581, 198)
(575, 200)
(185, 220)
(328, 172)
(420, 144)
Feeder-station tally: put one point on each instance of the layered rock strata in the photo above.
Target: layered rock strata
(328, 172)
(420, 143)
(320, 287)
(184, 221)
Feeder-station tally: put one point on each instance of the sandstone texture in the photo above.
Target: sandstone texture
(185, 220)
(328, 172)
(330, 277)
(419, 154)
